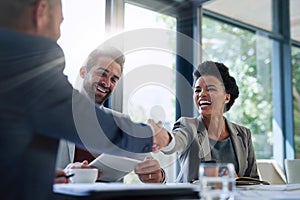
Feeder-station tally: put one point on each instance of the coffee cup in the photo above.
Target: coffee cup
(83, 175)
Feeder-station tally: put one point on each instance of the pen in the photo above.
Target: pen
(69, 175)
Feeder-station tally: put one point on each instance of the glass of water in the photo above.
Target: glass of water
(217, 181)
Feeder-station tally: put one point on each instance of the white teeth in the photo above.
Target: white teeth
(100, 89)
(204, 102)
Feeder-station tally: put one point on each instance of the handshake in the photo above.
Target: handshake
(161, 136)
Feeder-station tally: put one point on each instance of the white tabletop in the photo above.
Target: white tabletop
(256, 192)
(268, 192)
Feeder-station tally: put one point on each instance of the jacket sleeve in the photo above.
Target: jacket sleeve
(184, 132)
(59, 111)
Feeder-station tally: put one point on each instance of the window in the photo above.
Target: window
(248, 57)
(295, 20)
(82, 31)
(149, 74)
(152, 63)
(296, 97)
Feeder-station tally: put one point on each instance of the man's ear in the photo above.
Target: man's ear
(40, 13)
(82, 72)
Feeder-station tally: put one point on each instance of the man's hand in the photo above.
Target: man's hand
(83, 164)
(76, 165)
(61, 176)
(149, 171)
(161, 136)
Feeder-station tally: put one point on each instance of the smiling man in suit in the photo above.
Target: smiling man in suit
(101, 73)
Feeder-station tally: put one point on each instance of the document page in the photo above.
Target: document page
(114, 168)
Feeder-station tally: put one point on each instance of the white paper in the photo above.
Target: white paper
(114, 168)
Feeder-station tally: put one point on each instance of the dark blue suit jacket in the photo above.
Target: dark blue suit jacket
(38, 106)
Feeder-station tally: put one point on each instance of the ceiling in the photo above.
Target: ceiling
(255, 12)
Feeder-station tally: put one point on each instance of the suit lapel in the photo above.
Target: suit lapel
(204, 150)
(71, 148)
(236, 141)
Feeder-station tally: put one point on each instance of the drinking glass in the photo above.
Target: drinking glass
(217, 181)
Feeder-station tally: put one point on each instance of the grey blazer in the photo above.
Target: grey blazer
(192, 145)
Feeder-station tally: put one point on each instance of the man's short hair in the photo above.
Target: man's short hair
(107, 51)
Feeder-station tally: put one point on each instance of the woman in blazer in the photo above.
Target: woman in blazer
(211, 136)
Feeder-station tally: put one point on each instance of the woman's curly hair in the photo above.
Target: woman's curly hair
(221, 72)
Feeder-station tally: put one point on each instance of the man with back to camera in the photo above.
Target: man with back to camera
(101, 73)
(38, 106)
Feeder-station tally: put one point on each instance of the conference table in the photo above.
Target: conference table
(172, 191)
(115, 191)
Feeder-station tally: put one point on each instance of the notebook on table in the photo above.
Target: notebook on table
(250, 181)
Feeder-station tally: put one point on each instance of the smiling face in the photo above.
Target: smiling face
(210, 96)
(100, 81)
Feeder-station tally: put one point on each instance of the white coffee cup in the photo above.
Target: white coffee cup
(83, 175)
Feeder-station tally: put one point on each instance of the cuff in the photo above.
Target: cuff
(170, 145)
